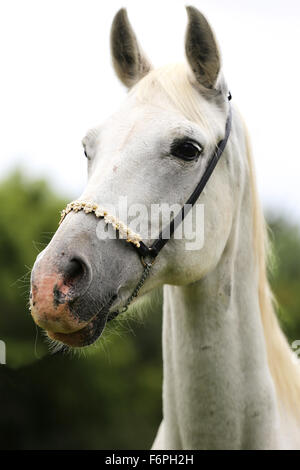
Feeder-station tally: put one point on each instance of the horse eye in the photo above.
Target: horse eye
(86, 154)
(186, 150)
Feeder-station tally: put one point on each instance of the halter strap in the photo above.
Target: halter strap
(168, 231)
(135, 239)
(152, 251)
(100, 212)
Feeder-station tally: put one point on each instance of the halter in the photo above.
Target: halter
(151, 252)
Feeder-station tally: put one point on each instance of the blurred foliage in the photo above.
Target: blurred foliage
(285, 275)
(110, 397)
(28, 216)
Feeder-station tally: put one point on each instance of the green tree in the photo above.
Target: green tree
(285, 278)
(29, 213)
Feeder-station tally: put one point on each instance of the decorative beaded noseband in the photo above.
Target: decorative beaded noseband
(92, 207)
(134, 238)
(124, 231)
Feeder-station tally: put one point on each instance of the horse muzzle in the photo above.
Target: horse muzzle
(79, 277)
(61, 302)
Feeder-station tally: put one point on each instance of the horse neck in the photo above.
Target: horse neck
(217, 389)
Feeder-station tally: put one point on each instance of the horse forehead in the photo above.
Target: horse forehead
(136, 120)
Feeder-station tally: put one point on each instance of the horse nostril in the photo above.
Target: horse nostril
(74, 271)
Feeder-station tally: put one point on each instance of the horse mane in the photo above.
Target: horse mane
(283, 363)
(175, 81)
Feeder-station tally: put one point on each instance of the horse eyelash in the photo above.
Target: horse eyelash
(85, 153)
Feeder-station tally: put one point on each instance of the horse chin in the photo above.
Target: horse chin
(84, 337)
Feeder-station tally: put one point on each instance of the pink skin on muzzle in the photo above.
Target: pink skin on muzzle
(51, 300)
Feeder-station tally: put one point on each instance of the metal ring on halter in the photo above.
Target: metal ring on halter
(144, 263)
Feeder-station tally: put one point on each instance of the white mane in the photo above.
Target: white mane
(175, 82)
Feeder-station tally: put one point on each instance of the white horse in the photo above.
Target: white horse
(230, 380)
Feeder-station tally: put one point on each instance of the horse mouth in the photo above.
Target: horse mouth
(87, 335)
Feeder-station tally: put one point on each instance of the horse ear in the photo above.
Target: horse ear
(201, 49)
(129, 61)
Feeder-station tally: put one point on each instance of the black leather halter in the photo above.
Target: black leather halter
(152, 251)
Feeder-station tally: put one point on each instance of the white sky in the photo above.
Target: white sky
(56, 80)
